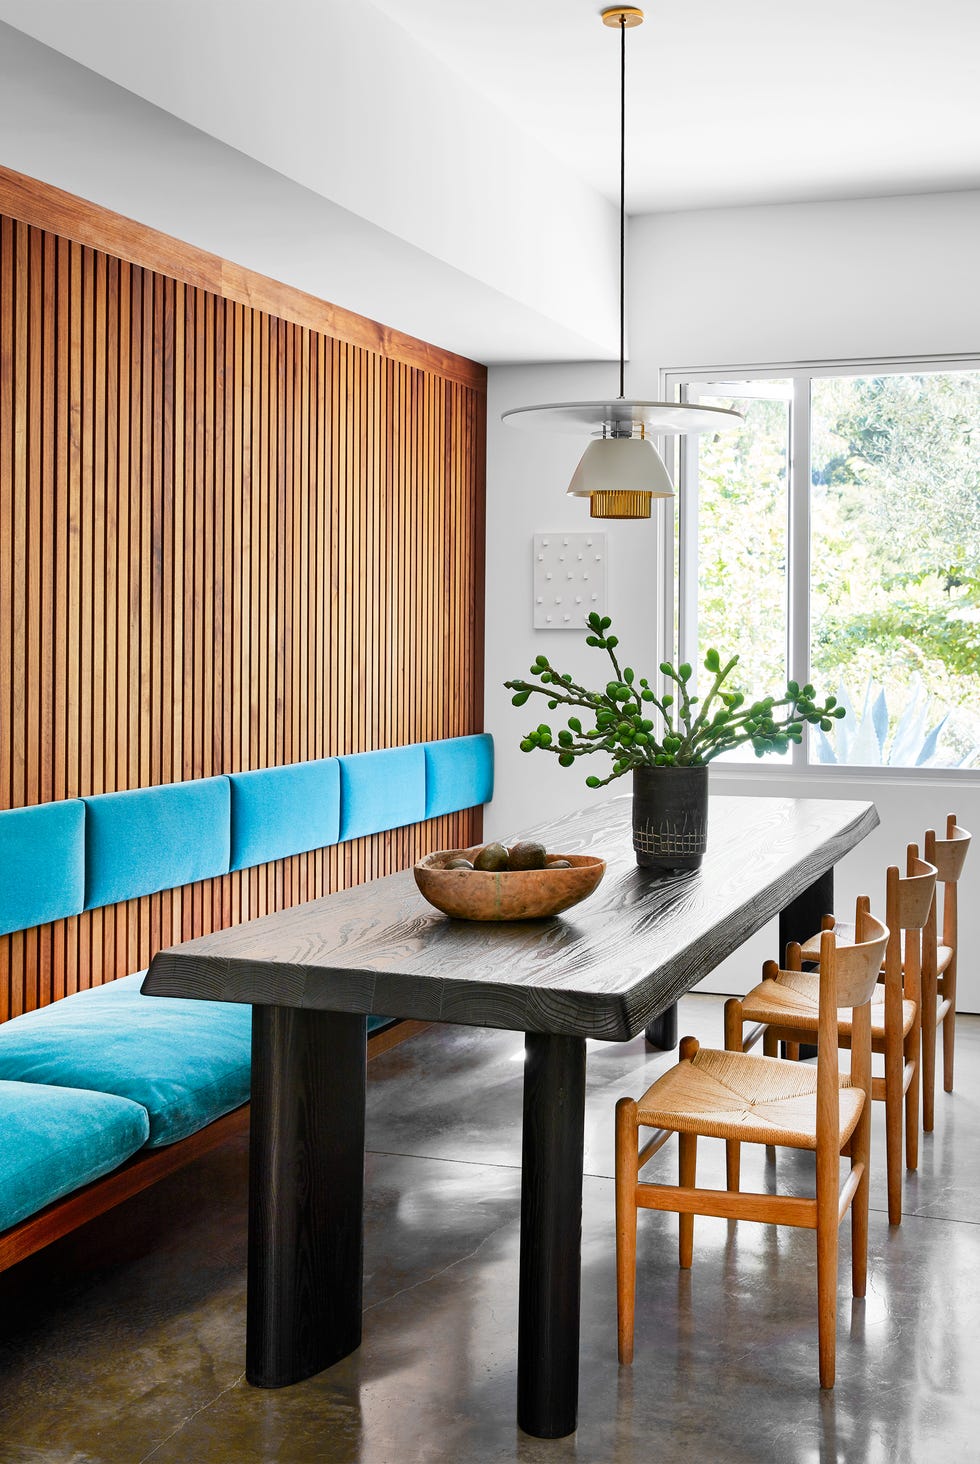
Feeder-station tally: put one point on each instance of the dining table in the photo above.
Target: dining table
(606, 969)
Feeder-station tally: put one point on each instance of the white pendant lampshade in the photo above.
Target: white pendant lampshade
(621, 476)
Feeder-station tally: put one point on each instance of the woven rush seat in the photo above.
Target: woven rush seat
(723, 1095)
(795, 1000)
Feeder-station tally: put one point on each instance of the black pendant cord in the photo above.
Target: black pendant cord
(622, 207)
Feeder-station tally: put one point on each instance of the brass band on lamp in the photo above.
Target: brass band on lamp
(619, 503)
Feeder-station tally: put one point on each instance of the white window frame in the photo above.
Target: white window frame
(681, 456)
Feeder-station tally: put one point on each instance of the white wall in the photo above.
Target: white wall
(527, 473)
(720, 288)
(886, 276)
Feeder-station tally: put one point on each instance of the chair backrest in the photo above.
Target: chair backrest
(949, 854)
(910, 902)
(854, 967)
(909, 896)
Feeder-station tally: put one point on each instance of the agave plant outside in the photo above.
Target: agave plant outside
(874, 737)
(686, 730)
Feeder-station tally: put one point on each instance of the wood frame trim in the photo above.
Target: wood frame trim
(145, 1168)
(46, 207)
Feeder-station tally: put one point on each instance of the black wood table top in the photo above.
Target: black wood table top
(604, 969)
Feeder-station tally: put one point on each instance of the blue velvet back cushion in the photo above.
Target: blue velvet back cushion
(185, 1062)
(458, 773)
(153, 839)
(53, 1140)
(42, 864)
(276, 812)
(381, 790)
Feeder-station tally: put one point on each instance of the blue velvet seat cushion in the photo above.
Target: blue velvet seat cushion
(458, 773)
(42, 860)
(381, 790)
(185, 1062)
(53, 1140)
(276, 812)
(151, 839)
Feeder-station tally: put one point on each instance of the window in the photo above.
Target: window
(835, 537)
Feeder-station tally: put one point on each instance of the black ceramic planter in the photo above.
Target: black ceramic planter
(670, 817)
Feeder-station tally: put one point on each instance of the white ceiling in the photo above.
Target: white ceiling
(332, 99)
(477, 144)
(758, 102)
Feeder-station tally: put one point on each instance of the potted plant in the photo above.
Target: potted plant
(666, 741)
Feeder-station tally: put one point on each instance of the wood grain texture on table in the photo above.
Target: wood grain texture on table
(603, 969)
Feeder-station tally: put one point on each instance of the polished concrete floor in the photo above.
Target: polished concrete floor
(125, 1342)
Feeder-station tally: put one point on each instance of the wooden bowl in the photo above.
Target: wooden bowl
(510, 894)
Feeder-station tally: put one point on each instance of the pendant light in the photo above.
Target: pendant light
(621, 472)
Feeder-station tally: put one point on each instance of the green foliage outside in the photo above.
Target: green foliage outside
(742, 589)
(895, 546)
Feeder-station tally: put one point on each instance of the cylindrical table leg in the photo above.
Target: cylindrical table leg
(306, 1185)
(662, 1031)
(551, 1235)
(802, 916)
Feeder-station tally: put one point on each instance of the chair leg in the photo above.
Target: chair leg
(913, 1047)
(733, 1164)
(861, 1153)
(687, 1161)
(894, 1104)
(733, 1043)
(828, 1195)
(928, 1051)
(627, 1150)
(949, 1025)
(770, 1048)
(733, 1025)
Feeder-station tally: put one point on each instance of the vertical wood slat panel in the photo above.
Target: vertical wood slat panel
(227, 541)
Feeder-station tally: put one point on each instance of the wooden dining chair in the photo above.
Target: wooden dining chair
(939, 963)
(764, 1100)
(786, 1009)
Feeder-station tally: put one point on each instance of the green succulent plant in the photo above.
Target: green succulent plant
(639, 729)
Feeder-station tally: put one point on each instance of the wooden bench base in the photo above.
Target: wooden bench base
(146, 1168)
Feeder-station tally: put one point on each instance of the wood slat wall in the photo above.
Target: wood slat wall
(228, 540)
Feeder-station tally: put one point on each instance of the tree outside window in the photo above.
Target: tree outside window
(889, 574)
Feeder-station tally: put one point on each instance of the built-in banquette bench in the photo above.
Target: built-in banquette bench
(105, 1091)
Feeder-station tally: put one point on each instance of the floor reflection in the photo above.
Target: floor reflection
(125, 1343)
